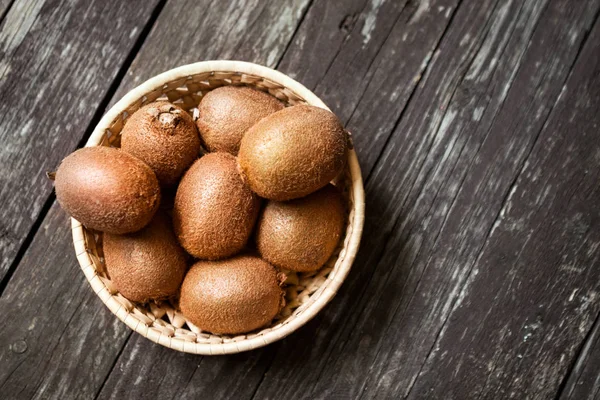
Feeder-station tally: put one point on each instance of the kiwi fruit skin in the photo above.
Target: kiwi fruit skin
(232, 296)
(148, 264)
(165, 137)
(226, 113)
(301, 234)
(107, 189)
(214, 210)
(293, 152)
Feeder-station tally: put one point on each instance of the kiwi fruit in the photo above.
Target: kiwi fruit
(226, 113)
(232, 296)
(107, 189)
(293, 152)
(148, 264)
(301, 234)
(214, 210)
(163, 136)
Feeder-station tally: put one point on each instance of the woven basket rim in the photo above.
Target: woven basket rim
(291, 324)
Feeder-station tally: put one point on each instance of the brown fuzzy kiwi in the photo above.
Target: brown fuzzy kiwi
(107, 189)
(232, 296)
(148, 264)
(293, 152)
(301, 234)
(214, 210)
(226, 113)
(165, 137)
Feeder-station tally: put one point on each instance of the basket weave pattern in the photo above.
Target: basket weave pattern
(306, 293)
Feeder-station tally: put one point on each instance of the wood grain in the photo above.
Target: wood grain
(427, 223)
(58, 59)
(584, 379)
(370, 64)
(402, 76)
(58, 326)
(148, 371)
(478, 274)
(61, 341)
(534, 291)
(4, 8)
(261, 22)
(245, 30)
(303, 356)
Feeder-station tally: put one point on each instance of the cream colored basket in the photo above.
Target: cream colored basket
(306, 294)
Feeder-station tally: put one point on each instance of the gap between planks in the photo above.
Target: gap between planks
(504, 200)
(581, 353)
(382, 151)
(119, 77)
(423, 73)
(289, 43)
(396, 124)
(107, 99)
(114, 364)
(518, 166)
(588, 335)
(88, 131)
(5, 12)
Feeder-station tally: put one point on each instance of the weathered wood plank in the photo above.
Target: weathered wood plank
(474, 206)
(406, 37)
(270, 27)
(435, 194)
(534, 291)
(584, 380)
(336, 45)
(436, 209)
(4, 7)
(246, 30)
(325, 29)
(377, 227)
(67, 332)
(59, 341)
(412, 39)
(364, 59)
(154, 372)
(58, 60)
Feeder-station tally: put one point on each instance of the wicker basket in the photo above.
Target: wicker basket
(306, 294)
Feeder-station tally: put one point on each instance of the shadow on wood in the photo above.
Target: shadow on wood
(164, 372)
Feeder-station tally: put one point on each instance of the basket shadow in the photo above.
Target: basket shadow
(362, 308)
(348, 328)
(358, 314)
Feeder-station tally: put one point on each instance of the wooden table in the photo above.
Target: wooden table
(477, 125)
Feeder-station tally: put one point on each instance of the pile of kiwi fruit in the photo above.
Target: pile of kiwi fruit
(210, 208)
